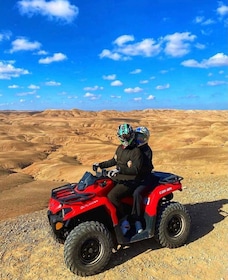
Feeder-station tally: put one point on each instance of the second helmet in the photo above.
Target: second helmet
(142, 135)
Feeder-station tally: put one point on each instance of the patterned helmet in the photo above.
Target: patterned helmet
(125, 134)
(142, 135)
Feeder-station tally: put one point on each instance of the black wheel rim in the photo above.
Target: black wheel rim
(91, 250)
(175, 226)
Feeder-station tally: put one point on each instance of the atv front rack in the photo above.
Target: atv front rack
(67, 194)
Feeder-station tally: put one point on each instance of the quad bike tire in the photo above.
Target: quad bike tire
(173, 225)
(88, 248)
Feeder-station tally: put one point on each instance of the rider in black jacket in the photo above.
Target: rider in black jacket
(128, 160)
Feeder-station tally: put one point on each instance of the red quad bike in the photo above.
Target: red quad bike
(83, 218)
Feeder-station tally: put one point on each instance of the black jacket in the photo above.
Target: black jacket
(147, 159)
(130, 162)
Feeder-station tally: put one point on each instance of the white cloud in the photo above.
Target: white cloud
(198, 19)
(26, 93)
(222, 10)
(53, 84)
(42, 52)
(161, 87)
(201, 20)
(207, 32)
(200, 46)
(137, 98)
(150, 97)
(192, 63)
(109, 77)
(164, 71)
(208, 22)
(116, 83)
(54, 9)
(72, 97)
(5, 35)
(109, 54)
(8, 71)
(13, 86)
(133, 90)
(216, 83)
(218, 60)
(124, 49)
(136, 71)
(93, 88)
(55, 58)
(120, 41)
(144, 82)
(33, 87)
(91, 96)
(147, 48)
(22, 44)
(178, 43)
(88, 94)
(116, 96)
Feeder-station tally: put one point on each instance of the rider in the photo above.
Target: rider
(128, 160)
(142, 136)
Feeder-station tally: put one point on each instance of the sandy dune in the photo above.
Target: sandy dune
(41, 150)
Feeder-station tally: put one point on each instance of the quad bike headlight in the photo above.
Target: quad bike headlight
(58, 225)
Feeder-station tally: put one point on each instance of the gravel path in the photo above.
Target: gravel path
(28, 251)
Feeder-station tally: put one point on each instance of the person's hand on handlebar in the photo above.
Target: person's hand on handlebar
(113, 172)
(95, 166)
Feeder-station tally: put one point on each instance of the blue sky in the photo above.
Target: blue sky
(113, 54)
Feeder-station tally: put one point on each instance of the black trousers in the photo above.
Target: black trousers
(147, 184)
(137, 200)
(121, 190)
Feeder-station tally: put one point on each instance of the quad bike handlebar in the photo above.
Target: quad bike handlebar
(103, 173)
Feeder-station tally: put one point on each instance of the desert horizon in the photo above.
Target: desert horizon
(40, 150)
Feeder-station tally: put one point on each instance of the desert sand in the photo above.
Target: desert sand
(43, 150)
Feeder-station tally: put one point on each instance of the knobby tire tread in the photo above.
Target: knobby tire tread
(161, 235)
(73, 261)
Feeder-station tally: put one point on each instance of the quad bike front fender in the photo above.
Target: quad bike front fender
(90, 205)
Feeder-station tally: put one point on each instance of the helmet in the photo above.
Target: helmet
(142, 135)
(125, 134)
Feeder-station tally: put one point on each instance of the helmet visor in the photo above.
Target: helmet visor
(126, 139)
(140, 139)
(126, 136)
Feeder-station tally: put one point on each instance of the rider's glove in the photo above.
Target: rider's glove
(113, 172)
(95, 166)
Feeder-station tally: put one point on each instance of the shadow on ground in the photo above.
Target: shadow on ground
(204, 216)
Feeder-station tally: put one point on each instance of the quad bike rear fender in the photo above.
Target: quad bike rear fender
(160, 192)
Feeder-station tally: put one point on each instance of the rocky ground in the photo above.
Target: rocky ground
(28, 250)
